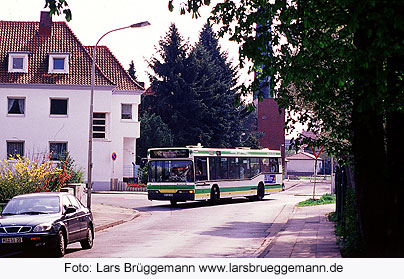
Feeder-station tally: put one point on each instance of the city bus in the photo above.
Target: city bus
(195, 173)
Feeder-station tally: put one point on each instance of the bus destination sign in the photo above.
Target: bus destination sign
(169, 153)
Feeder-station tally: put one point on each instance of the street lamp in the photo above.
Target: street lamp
(90, 136)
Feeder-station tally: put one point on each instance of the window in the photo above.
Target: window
(218, 168)
(171, 171)
(99, 125)
(223, 169)
(201, 168)
(244, 168)
(254, 166)
(16, 105)
(58, 63)
(58, 106)
(126, 111)
(66, 203)
(17, 62)
(57, 149)
(234, 170)
(75, 202)
(264, 162)
(274, 165)
(15, 148)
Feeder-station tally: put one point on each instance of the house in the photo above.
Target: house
(302, 164)
(45, 82)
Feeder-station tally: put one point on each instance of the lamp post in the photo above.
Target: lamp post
(90, 135)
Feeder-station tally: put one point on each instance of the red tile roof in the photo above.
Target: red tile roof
(23, 37)
(111, 67)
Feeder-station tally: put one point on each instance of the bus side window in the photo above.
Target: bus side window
(224, 168)
(264, 162)
(212, 168)
(244, 168)
(234, 170)
(274, 165)
(201, 168)
(254, 166)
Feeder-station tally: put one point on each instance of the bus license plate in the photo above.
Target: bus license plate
(168, 195)
(11, 240)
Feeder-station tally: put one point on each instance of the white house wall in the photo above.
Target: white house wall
(303, 167)
(37, 128)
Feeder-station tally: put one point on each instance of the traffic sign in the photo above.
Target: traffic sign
(113, 156)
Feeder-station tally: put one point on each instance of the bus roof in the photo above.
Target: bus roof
(188, 151)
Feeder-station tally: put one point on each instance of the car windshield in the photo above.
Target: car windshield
(32, 205)
(171, 171)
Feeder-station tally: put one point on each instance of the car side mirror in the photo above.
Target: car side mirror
(70, 209)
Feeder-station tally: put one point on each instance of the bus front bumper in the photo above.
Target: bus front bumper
(180, 195)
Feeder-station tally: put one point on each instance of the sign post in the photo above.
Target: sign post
(113, 157)
(315, 167)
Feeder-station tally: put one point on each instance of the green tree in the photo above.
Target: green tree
(132, 71)
(339, 64)
(213, 79)
(154, 133)
(58, 7)
(193, 91)
(173, 99)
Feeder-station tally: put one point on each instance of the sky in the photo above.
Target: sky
(92, 18)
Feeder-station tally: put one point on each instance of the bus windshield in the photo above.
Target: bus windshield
(171, 171)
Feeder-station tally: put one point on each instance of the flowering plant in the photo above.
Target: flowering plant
(20, 175)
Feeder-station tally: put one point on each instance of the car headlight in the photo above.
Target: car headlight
(42, 227)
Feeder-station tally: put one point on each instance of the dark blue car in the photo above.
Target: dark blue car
(48, 220)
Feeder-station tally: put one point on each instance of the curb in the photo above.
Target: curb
(116, 223)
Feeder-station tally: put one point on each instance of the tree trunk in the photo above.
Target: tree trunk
(395, 155)
(370, 178)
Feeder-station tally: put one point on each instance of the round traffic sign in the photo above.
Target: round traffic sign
(113, 156)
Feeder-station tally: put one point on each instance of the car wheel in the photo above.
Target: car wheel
(60, 249)
(87, 243)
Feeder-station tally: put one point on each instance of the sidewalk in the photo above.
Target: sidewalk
(298, 232)
(306, 234)
(107, 216)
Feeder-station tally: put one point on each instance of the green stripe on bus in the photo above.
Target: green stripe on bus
(235, 189)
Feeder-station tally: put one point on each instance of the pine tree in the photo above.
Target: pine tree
(132, 71)
(154, 133)
(215, 83)
(173, 100)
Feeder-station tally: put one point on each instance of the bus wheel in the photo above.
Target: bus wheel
(260, 192)
(214, 195)
(173, 203)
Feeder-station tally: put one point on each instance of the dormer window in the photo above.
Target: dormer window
(58, 63)
(18, 62)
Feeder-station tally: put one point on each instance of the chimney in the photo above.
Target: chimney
(45, 24)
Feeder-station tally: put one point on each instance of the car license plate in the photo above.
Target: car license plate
(168, 195)
(11, 240)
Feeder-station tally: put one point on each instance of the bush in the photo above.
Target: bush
(68, 163)
(348, 229)
(20, 175)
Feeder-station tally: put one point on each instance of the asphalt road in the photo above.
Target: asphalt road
(234, 228)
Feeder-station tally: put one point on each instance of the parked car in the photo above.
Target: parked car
(48, 220)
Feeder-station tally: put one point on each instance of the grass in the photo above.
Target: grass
(325, 199)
